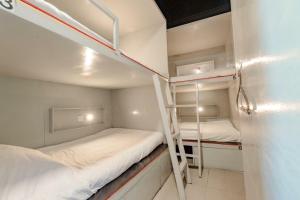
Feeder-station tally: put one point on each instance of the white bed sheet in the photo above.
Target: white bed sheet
(219, 130)
(102, 157)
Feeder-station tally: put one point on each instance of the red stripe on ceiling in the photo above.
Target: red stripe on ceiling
(87, 35)
(144, 66)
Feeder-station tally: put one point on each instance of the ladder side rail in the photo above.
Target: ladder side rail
(174, 103)
(170, 141)
(198, 132)
(179, 138)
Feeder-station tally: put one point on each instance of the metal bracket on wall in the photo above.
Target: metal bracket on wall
(246, 109)
(79, 118)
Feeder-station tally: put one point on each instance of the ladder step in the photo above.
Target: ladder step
(183, 83)
(188, 155)
(186, 106)
(182, 106)
(188, 129)
(182, 166)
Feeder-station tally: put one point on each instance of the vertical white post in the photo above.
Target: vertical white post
(116, 33)
(199, 132)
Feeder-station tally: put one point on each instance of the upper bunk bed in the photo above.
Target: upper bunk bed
(215, 79)
(221, 78)
(42, 42)
(212, 127)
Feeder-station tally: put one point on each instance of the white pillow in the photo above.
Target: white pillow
(30, 174)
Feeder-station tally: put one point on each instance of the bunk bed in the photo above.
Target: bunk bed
(217, 137)
(52, 46)
(64, 42)
(212, 128)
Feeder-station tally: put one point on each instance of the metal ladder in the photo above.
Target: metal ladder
(198, 156)
(173, 136)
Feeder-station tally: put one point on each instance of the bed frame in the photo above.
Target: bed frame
(221, 155)
(141, 181)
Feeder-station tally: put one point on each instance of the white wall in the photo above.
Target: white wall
(199, 35)
(136, 108)
(217, 54)
(24, 110)
(266, 37)
(214, 97)
(148, 46)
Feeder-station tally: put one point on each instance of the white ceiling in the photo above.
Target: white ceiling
(199, 35)
(30, 51)
(133, 14)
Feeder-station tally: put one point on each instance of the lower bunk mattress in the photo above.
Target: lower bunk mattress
(76, 169)
(218, 130)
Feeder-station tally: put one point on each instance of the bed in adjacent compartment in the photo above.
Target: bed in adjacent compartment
(220, 142)
(211, 131)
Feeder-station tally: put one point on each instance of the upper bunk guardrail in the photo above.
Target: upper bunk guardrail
(59, 15)
(65, 19)
(116, 30)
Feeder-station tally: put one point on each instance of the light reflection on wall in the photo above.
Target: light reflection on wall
(200, 109)
(277, 107)
(135, 112)
(267, 59)
(89, 57)
(89, 117)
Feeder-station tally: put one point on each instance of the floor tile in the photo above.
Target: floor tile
(215, 184)
(217, 194)
(168, 191)
(195, 192)
(217, 179)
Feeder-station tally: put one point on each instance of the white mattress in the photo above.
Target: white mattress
(102, 157)
(219, 130)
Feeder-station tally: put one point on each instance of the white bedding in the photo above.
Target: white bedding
(219, 130)
(86, 164)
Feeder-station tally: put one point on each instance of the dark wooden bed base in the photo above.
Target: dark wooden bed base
(111, 188)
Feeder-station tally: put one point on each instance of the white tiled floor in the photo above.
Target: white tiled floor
(216, 184)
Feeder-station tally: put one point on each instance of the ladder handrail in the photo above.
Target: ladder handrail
(165, 113)
(198, 131)
(196, 106)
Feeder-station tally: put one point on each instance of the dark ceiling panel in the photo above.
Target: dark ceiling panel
(179, 12)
